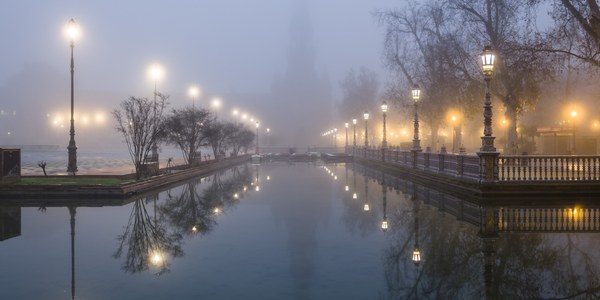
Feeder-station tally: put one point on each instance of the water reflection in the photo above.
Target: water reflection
(450, 248)
(150, 242)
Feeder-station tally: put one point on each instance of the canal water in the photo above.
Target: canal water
(304, 230)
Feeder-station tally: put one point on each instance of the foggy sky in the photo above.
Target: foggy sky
(225, 47)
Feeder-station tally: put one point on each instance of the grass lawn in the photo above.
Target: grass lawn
(70, 180)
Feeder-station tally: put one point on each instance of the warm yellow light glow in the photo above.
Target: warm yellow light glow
(384, 225)
(416, 256)
(573, 114)
(268, 177)
(155, 71)
(244, 116)
(366, 207)
(346, 124)
(235, 112)
(347, 188)
(216, 102)
(257, 188)
(354, 121)
(217, 211)
(453, 118)
(194, 91)
(72, 30)
(416, 92)
(235, 195)
(366, 115)
(354, 196)
(194, 228)
(156, 258)
(487, 59)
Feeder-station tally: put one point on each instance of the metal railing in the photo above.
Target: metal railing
(549, 168)
(510, 168)
(549, 219)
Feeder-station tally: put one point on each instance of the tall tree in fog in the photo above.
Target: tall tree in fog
(576, 31)
(437, 45)
(424, 45)
(183, 129)
(141, 123)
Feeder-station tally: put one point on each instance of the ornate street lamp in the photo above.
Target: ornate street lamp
(346, 125)
(72, 33)
(354, 121)
(194, 91)
(156, 73)
(416, 95)
(257, 125)
(366, 118)
(487, 140)
(384, 108)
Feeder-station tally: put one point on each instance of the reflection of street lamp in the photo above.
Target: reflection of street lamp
(416, 255)
(384, 222)
(384, 108)
(366, 206)
(72, 34)
(354, 195)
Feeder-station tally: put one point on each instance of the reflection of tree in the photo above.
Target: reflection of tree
(193, 212)
(144, 238)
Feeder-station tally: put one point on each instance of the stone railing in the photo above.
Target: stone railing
(549, 219)
(506, 168)
(548, 168)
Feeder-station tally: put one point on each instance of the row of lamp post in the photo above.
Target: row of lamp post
(487, 153)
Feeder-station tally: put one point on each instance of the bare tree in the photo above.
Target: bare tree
(183, 129)
(141, 122)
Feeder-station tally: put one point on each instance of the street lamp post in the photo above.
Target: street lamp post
(257, 125)
(384, 108)
(335, 139)
(574, 126)
(366, 117)
(346, 125)
(72, 33)
(487, 153)
(354, 121)
(155, 74)
(193, 93)
(416, 95)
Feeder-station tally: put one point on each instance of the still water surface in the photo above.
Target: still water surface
(294, 231)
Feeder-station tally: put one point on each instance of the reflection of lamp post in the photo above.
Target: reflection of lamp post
(72, 212)
(384, 222)
(72, 33)
(416, 255)
(354, 194)
(366, 206)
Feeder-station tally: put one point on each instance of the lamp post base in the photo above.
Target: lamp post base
(72, 150)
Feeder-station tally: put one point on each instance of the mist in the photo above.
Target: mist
(279, 62)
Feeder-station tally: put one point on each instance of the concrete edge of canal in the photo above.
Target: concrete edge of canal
(98, 195)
